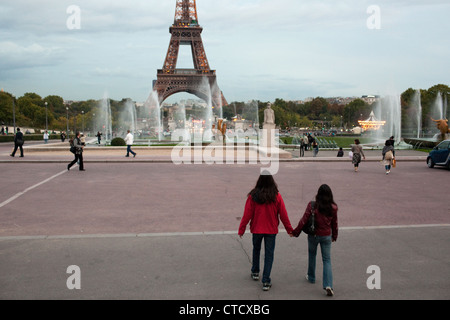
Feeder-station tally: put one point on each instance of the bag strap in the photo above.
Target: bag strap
(313, 203)
(313, 216)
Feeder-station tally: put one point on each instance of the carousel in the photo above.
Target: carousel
(371, 124)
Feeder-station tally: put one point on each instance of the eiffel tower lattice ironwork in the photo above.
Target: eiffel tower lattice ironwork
(170, 80)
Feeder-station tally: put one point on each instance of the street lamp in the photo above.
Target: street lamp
(82, 113)
(14, 115)
(67, 109)
(46, 121)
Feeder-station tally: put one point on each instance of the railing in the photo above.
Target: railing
(187, 72)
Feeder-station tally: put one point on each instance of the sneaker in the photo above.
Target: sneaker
(307, 278)
(255, 276)
(266, 286)
(329, 291)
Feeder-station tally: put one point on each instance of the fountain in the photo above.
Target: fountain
(128, 117)
(438, 107)
(417, 105)
(208, 115)
(438, 110)
(389, 108)
(216, 92)
(104, 118)
(153, 110)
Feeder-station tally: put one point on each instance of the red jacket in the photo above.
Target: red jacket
(265, 218)
(325, 225)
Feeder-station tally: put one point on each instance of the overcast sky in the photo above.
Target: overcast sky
(261, 49)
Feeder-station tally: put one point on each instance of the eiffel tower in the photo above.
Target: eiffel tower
(170, 80)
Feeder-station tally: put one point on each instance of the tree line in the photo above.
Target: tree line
(32, 111)
(332, 113)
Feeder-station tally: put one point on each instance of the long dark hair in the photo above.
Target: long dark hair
(324, 200)
(265, 191)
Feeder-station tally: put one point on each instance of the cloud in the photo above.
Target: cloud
(13, 55)
(113, 72)
(47, 17)
(258, 47)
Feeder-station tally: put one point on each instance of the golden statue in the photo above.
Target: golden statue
(442, 125)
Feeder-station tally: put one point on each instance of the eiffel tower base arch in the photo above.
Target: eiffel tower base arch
(204, 86)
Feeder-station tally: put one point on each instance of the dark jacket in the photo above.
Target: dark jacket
(18, 138)
(78, 145)
(325, 225)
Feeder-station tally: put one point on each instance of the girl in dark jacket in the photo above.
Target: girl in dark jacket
(326, 225)
(388, 154)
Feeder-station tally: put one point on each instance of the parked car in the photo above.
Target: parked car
(440, 155)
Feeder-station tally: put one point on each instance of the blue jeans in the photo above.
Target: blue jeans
(269, 248)
(325, 248)
(129, 150)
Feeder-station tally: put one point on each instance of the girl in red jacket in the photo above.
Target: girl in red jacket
(325, 213)
(264, 209)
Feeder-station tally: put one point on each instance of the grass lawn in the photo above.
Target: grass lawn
(343, 142)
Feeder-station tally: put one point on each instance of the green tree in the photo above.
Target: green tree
(6, 108)
(318, 106)
(56, 105)
(354, 111)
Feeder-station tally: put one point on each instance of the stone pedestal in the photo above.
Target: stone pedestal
(268, 136)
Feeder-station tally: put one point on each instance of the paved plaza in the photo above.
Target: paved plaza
(145, 228)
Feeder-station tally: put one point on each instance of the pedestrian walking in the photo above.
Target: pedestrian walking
(326, 232)
(357, 151)
(264, 209)
(18, 143)
(63, 136)
(129, 139)
(305, 142)
(45, 136)
(391, 140)
(78, 152)
(315, 147)
(310, 141)
(302, 147)
(388, 154)
(99, 136)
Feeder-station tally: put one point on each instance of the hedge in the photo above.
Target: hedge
(28, 137)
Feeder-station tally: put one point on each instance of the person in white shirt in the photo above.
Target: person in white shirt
(129, 141)
(45, 136)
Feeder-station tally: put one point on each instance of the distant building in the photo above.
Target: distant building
(370, 99)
